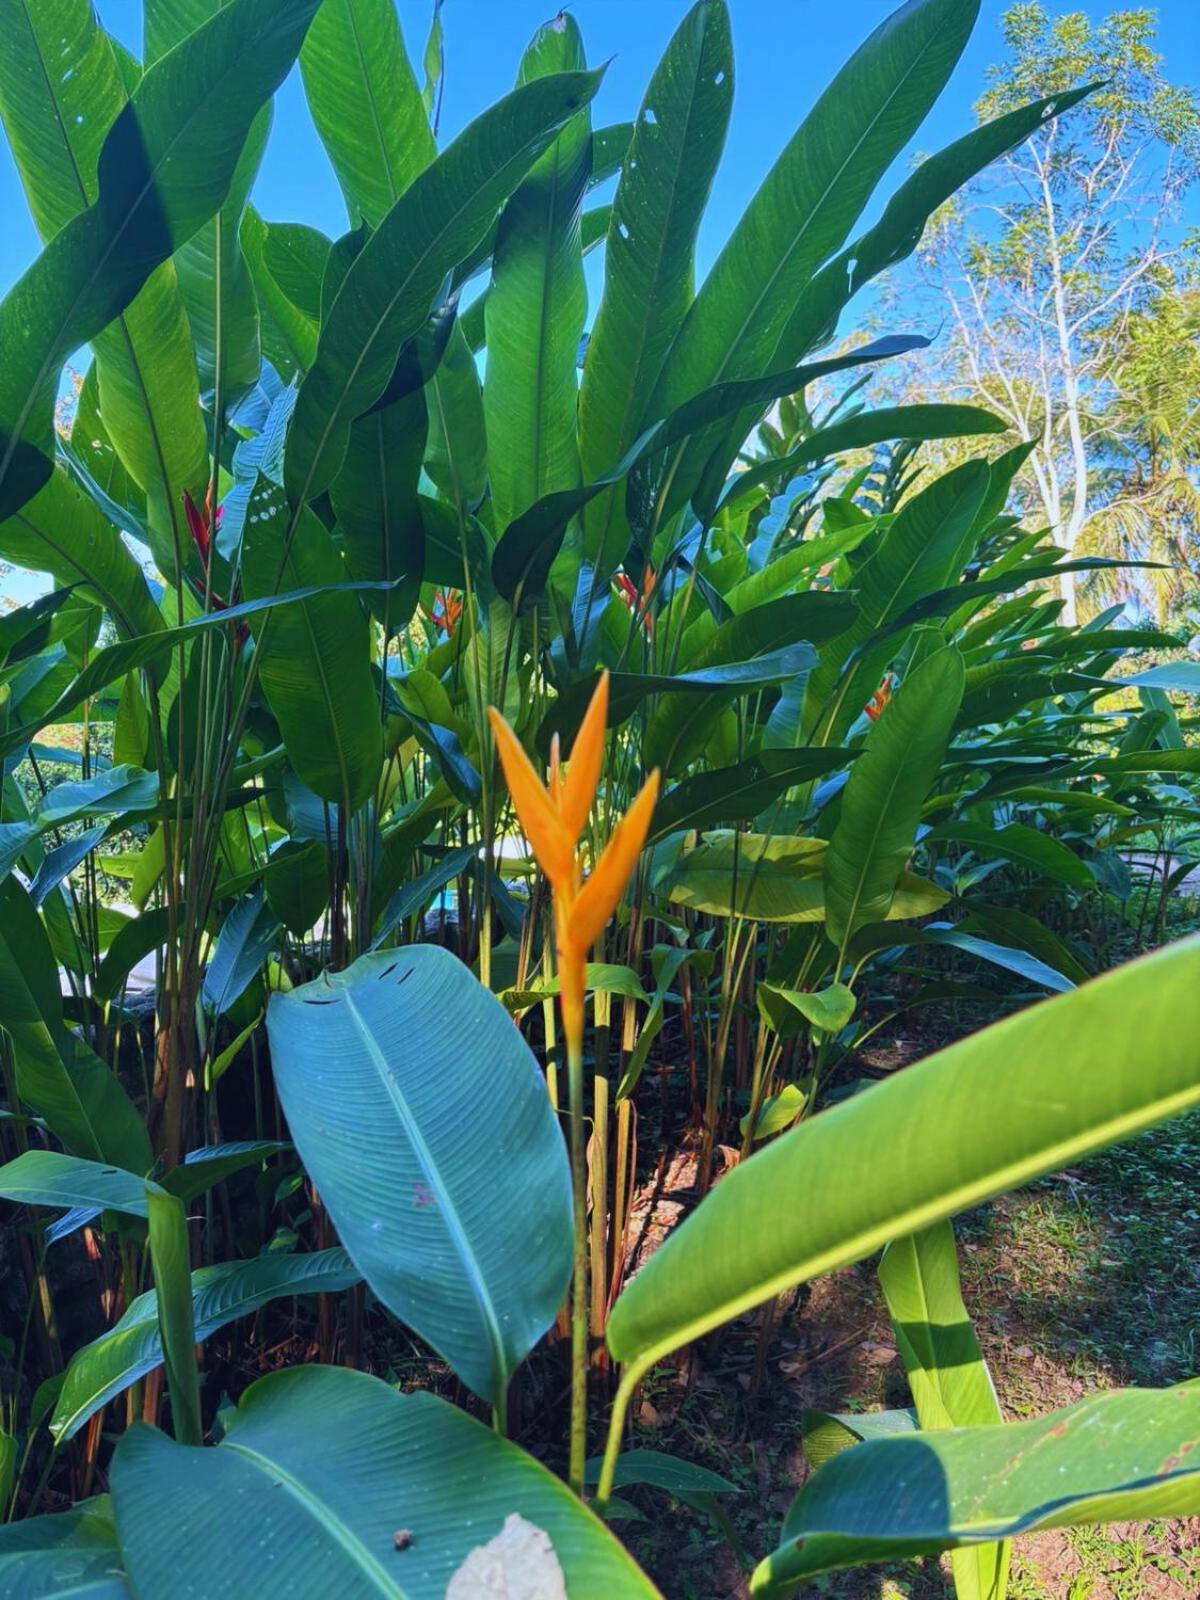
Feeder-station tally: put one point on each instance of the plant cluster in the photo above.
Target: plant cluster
(835, 757)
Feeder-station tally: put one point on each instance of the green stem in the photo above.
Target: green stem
(579, 1282)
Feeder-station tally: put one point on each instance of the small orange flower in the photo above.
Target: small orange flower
(446, 610)
(878, 701)
(553, 818)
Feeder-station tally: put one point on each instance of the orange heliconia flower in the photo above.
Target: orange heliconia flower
(878, 701)
(553, 818)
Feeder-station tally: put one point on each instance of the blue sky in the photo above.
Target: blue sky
(785, 50)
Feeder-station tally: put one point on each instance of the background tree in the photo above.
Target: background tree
(1052, 270)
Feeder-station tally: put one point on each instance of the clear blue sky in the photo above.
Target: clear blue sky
(785, 51)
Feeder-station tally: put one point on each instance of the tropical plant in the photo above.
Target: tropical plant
(835, 755)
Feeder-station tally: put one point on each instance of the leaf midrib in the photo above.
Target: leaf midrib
(322, 1513)
(446, 1207)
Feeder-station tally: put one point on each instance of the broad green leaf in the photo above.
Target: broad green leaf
(456, 457)
(46, 1178)
(773, 878)
(720, 682)
(416, 894)
(649, 253)
(1124, 1455)
(443, 1170)
(378, 510)
(537, 303)
(868, 428)
(827, 1433)
(169, 1259)
(1022, 845)
(248, 934)
(366, 104)
(389, 291)
(57, 1076)
(313, 656)
(72, 1553)
(737, 794)
(220, 1295)
(136, 940)
(289, 333)
(1181, 676)
(882, 800)
(1015, 927)
(61, 90)
(828, 1009)
(949, 1379)
(215, 281)
(527, 548)
(297, 884)
(804, 210)
(662, 1471)
(1025, 1096)
(209, 1164)
(680, 725)
(1024, 964)
(59, 531)
(325, 1511)
(163, 170)
(113, 791)
(776, 1113)
(919, 552)
(898, 232)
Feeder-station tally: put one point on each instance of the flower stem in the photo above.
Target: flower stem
(579, 1285)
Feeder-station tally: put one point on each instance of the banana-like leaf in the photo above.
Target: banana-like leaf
(680, 725)
(951, 1385)
(924, 549)
(366, 104)
(898, 232)
(246, 939)
(537, 303)
(443, 1171)
(210, 1163)
(1022, 845)
(57, 1076)
(803, 212)
(721, 682)
(393, 284)
(457, 457)
(378, 509)
(882, 800)
(289, 332)
(61, 90)
(649, 255)
(526, 550)
(164, 168)
(1121, 1456)
(736, 794)
(47, 1178)
(774, 878)
(332, 1466)
(71, 1554)
(1028, 1095)
(61, 532)
(220, 1295)
(313, 657)
(868, 428)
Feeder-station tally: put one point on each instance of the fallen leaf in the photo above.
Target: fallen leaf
(518, 1564)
